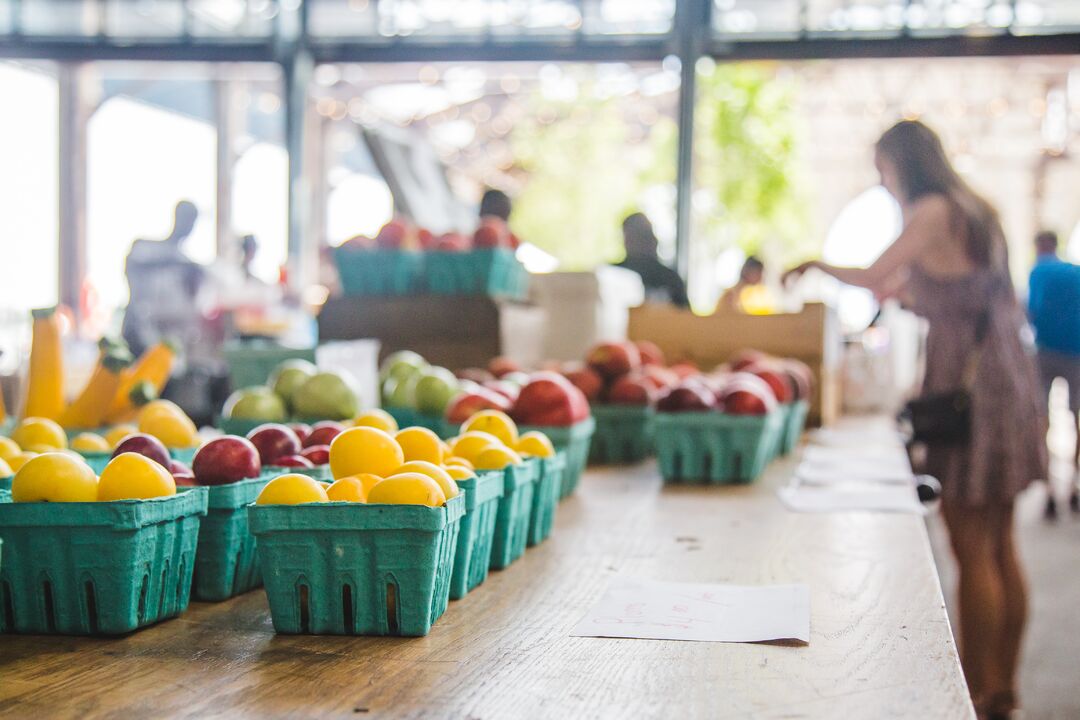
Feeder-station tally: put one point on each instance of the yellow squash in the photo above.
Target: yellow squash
(88, 410)
(142, 382)
(45, 387)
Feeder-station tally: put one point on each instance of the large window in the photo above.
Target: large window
(28, 201)
(28, 187)
(143, 159)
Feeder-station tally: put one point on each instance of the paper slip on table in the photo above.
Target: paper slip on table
(880, 642)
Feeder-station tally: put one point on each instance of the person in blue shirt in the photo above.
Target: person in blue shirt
(1054, 309)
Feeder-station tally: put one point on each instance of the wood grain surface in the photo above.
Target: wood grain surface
(881, 646)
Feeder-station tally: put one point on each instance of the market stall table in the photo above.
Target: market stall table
(881, 644)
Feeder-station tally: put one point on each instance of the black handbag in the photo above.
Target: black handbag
(944, 418)
(938, 418)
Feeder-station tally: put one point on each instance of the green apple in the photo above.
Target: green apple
(434, 391)
(289, 376)
(255, 403)
(402, 364)
(402, 392)
(327, 396)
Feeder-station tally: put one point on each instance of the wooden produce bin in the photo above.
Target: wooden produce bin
(455, 331)
(811, 336)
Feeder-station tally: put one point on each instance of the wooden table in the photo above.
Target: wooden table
(880, 644)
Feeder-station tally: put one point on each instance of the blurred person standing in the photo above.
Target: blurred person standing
(164, 286)
(1054, 310)
(662, 284)
(951, 259)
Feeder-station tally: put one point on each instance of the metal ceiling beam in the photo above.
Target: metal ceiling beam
(834, 47)
(553, 50)
(97, 48)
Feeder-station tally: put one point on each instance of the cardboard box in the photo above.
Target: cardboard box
(811, 336)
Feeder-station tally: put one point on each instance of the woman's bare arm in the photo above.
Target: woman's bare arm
(929, 220)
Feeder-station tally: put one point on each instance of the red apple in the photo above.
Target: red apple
(323, 433)
(631, 390)
(467, 404)
(184, 479)
(550, 399)
(316, 454)
(454, 242)
(686, 397)
(175, 466)
(146, 445)
(492, 233)
(274, 440)
(778, 380)
(293, 461)
(802, 378)
(508, 390)
(659, 378)
(650, 352)
(426, 239)
(685, 369)
(515, 241)
(302, 430)
(745, 358)
(746, 394)
(225, 460)
(501, 365)
(392, 235)
(477, 375)
(587, 380)
(613, 359)
(579, 405)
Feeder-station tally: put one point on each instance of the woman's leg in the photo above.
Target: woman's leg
(981, 597)
(1003, 690)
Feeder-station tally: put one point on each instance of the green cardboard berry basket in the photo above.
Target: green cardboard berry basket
(624, 434)
(715, 448)
(473, 554)
(378, 272)
(546, 497)
(512, 518)
(794, 425)
(5, 483)
(319, 472)
(226, 564)
(356, 568)
(101, 568)
(574, 440)
(484, 271)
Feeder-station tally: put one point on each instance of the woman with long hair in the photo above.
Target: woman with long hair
(951, 264)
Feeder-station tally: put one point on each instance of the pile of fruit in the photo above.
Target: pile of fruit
(401, 234)
(415, 391)
(751, 383)
(295, 389)
(403, 258)
(375, 462)
(159, 423)
(725, 426)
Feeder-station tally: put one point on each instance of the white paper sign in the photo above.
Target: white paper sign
(656, 610)
(848, 498)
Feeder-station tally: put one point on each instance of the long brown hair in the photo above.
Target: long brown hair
(923, 169)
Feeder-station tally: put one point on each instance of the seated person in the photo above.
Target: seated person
(750, 280)
(662, 284)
